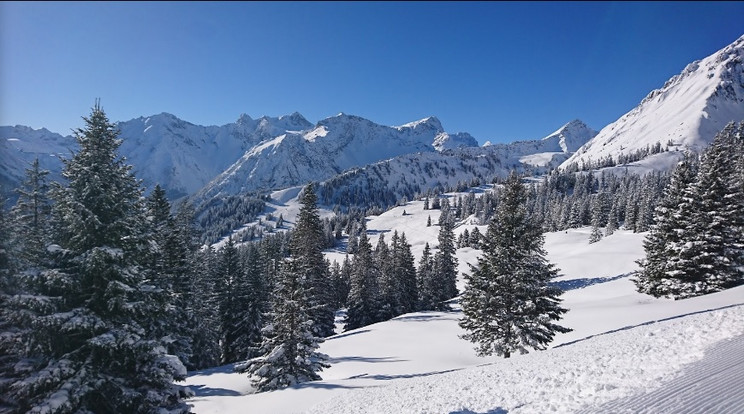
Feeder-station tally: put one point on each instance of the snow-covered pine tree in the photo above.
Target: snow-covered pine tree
(236, 307)
(288, 353)
(89, 350)
(10, 329)
(168, 263)
(666, 236)
(389, 290)
(445, 261)
(206, 336)
(709, 256)
(508, 304)
(306, 248)
(405, 268)
(364, 294)
(31, 215)
(425, 284)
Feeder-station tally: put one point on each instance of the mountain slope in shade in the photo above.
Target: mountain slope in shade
(334, 145)
(687, 111)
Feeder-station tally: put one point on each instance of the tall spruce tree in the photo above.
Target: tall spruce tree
(31, 215)
(425, 283)
(306, 248)
(288, 353)
(169, 266)
(237, 307)
(89, 350)
(364, 294)
(406, 274)
(666, 236)
(508, 305)
(445, 260)
(702, 238)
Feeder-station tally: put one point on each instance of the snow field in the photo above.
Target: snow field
(623, 344)
(566, 379)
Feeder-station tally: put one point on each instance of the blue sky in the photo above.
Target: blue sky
(502, 71)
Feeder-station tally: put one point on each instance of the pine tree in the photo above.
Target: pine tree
(425, 283)
(167, 260)
(306, 247)
(665, 237)
(89, 350)
(288, 353)
(406, 274)
(364, 296)
(708, 256)
(11, 329)
(508, 304)
(206, 334)
(31, 215)
(388, 284)
(445, 261)
(237, 307)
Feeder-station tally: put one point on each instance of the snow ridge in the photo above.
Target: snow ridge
(686, 112)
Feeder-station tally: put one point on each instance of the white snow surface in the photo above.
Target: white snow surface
(624, 346)
(688, 110)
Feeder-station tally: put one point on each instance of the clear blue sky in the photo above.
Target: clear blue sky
(502, 71)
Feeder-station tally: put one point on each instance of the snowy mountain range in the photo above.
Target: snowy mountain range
(688, 110)
(272, 153)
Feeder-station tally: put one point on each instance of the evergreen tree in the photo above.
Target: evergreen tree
(11, 329)
(89, 350)
(31, 215)
(705, 252)
(425, 283)
(167, 260)
(406, 274)
(206, 334)
(236, 307)
(306, 247)
(364, 301)
(445, 261)
(508, 304)
(288, 353)
(388, 284)
(666, 235)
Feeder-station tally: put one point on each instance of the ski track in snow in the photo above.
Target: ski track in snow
(613, 367)
(697, 390)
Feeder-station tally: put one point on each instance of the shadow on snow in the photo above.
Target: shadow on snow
(586, 282)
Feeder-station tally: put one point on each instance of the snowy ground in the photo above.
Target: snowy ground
(627, 353)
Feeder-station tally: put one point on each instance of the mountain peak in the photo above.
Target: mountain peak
(244, 119)
(687, 111)
(572, 135)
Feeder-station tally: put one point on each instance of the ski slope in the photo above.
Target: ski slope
(625, 348)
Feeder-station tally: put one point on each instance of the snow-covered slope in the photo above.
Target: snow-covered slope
(409, 174)
(246, 155)
(183, 157)
(20, 145)
(180, 156)
(624, 345)
(688, 110)
(335, 144)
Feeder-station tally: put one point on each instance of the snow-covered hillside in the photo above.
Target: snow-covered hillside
(688, 110)
(387, 181)
(623, 346)
(183, 157)
(20, 145)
